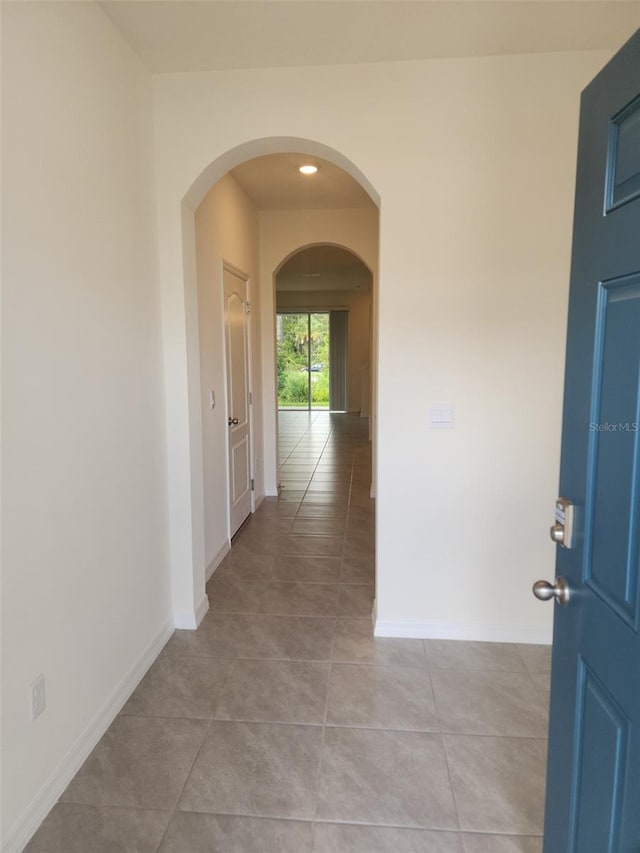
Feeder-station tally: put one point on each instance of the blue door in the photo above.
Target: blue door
(593, 783)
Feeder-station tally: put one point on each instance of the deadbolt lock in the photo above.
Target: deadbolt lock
(562, 530)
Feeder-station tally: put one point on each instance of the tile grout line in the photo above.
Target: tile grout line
(199, 750)
(349, 726)
(341, 822)
(323, 738)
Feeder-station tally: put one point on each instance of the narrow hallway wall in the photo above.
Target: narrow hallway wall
(86, 588)
(226, 230)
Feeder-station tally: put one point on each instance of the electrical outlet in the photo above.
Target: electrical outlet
(38, 699)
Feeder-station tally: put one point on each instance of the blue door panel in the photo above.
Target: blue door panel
(611, 561)
(623, 175)
(600, 765)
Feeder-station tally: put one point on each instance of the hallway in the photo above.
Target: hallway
(283, 726)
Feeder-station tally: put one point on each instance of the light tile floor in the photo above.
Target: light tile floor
(283, 725)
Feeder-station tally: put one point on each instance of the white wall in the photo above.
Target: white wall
(226, 230)
(283, 232)
(358, 304)
(86, 598)
(474, 162)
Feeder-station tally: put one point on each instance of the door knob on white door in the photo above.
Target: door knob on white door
(546, 591)
(233, 421)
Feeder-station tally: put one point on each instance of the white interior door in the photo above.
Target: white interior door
(238, 408)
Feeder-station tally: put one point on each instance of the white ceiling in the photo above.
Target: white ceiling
(273, 182)
(323, 268)
(206, 35)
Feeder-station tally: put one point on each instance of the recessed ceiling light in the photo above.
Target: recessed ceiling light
(308, 170)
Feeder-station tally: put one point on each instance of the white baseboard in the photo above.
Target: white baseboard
(201, 609)
(259, 500)
(462, 631)
(40, 806)
(187, 620)
(218, 558)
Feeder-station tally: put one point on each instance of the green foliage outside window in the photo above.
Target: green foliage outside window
(296, 351)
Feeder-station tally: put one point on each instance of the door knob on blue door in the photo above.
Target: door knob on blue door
(558, 590)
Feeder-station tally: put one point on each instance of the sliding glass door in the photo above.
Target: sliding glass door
(303, 360)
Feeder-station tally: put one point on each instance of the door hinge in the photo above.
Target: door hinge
(253, 485)
(248, 307)
(250, 398)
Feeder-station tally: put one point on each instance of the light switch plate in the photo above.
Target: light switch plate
(442, 416)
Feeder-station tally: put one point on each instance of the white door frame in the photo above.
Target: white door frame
(229, 267)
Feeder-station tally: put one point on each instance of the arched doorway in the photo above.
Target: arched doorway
(185, 398)
(323, 332)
